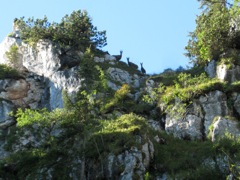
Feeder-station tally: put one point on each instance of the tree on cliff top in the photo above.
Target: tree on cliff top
(212, 37)
(74, 30)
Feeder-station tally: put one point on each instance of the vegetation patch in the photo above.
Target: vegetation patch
(8, 72)
(75, 31)
(191, 159)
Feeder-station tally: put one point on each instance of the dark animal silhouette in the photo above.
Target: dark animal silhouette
(130, 64)
(118, 57)
(142, 69)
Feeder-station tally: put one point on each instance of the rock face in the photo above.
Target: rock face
(46, 73)
(222, 126)
(5, 108)
(134, 162)
(5, 46)
(45, 81)
(187, 128)
(223, 71)
(195, 125)
(228, 74)
(214, 104)
(123, 77)
(42, 82)
(210, 69)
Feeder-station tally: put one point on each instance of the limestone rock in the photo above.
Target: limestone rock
(213, 104)
(98, 59)
(210, 69)
(119, 75)
(148, 151)
(133, 162)
(236, 104)
(123, 77)
(15, 89)
(222, 126)
(187, 128)
(228, 74)
(155, 125)
(5, 108)
(109, 57)
(42, 60)
(5, 46)
(46, 79)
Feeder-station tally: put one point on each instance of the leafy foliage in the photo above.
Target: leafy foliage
(119, 134)
(50, 142)
(58, 137)
(212, 37)
(8, 72)
(75, 30)
(12, 54)
(180, 95)
(62, 140)
(192, 159)
(118, 101)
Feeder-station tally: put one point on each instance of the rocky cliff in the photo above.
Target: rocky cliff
(156, 139)
(44, 74)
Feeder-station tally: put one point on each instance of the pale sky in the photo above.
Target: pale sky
(154, 32)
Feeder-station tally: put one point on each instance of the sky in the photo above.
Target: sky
(154, 32)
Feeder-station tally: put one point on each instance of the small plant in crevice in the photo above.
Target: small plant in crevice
(119, 99)
(8, 72)
(13, 55)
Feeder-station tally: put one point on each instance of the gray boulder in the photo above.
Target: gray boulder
(210, 69)
(228, 74)
(213, 104)
(189, 127)
(222, 125)
(122, 77)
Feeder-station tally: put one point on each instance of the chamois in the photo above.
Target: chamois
(130, 64)
(118, 57)
(142, 69)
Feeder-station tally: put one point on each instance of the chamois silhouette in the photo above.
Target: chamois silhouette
(142, 69)
(118, 57)
(130, 64)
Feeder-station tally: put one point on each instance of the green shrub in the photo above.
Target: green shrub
(211, 38)
(13, 54)
(119, 99)
(185, 89)
(8, 72)
(189, 159)
(75, 30)
(119, 134)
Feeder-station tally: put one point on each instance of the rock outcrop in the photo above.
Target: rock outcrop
(45, 73)
(48, 71)
(230, 75)
(134, 162)
(43, 78)
(122, 76)
(222, 126)
(196, 123)
(224, 72)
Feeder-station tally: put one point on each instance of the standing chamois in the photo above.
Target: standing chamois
(118, 57)
(142, 69)
(130, 64)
